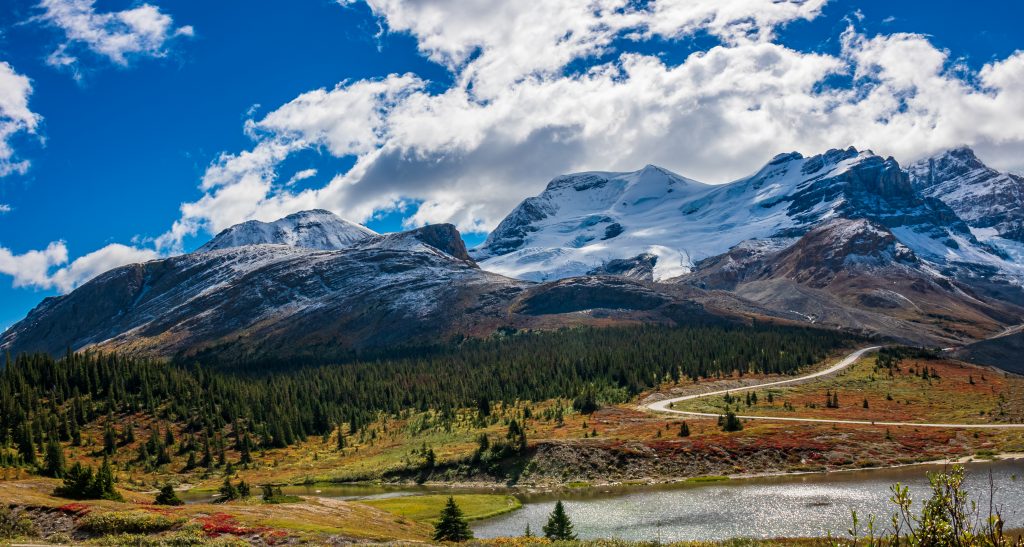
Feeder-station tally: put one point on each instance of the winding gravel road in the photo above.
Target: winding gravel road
(664, 405)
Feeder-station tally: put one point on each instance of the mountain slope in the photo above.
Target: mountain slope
(1005, 352)
(587, 222)
(856, 274)
(264, 301)
(267, 299)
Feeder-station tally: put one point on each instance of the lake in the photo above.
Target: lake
(787, 506)
(766, 507)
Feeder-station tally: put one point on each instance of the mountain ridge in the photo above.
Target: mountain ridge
(583, 221)
(843, 239)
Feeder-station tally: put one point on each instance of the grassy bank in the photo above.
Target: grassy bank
(427, 508)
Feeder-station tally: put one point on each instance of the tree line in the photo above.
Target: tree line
(45, 399)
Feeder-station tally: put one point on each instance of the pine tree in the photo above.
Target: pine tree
(78, 481)
(103, 487)
(341, 439)
(26, 447)
(109, 440)
(129, 433)
(54, 459)
(684, 430)
(76, 434)
(245, 451)
(731, 422)
(559, 527)
(227, 491)
(207, 460)
(516, 436)
(452, 526)
(168, 496)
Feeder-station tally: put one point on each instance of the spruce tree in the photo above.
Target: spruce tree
(731, 422)
(54, 459)
(559, 527)
(245, 455)
(26, 447)
(341, 439)
(684, 430)
(168, 496)
(78, 482)
(103, 483)
(452, 526)
(109, 440)
(227, 491)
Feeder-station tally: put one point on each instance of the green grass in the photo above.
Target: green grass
(707, 478)
(428, 508)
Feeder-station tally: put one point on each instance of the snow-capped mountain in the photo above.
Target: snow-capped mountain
(314, 229)
(281, 298)
(270, 298)
(841, 239)
(992, 203)
(584, 220)
(587, 222)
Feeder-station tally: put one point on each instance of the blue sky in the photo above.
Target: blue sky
(124, 135)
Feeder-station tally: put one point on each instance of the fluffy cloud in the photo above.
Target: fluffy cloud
(301, 175)
(523, 108)
(15, 117)
(515, 116)
(491, 45)
(49, 268)
(33, 267)
(735, 21)
(89, 266)
(143, 30)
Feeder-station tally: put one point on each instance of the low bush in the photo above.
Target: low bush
(14, 525)
(127, 522)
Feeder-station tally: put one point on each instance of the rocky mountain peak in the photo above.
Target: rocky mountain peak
(437, 238)
(312, 229)
(989, 201)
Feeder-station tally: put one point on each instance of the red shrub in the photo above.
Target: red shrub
(78, 509)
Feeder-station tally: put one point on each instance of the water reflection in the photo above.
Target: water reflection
(809, 505)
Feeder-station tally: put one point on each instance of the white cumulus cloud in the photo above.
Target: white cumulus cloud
(15, 117)
(543, 87)
(143, 30)
(49, 268)
(515, 117)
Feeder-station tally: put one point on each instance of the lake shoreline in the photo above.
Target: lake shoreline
(471, 487)
(570, 486)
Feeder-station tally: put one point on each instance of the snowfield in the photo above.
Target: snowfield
(583, 221)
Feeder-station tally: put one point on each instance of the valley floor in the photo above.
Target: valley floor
(621, 443)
